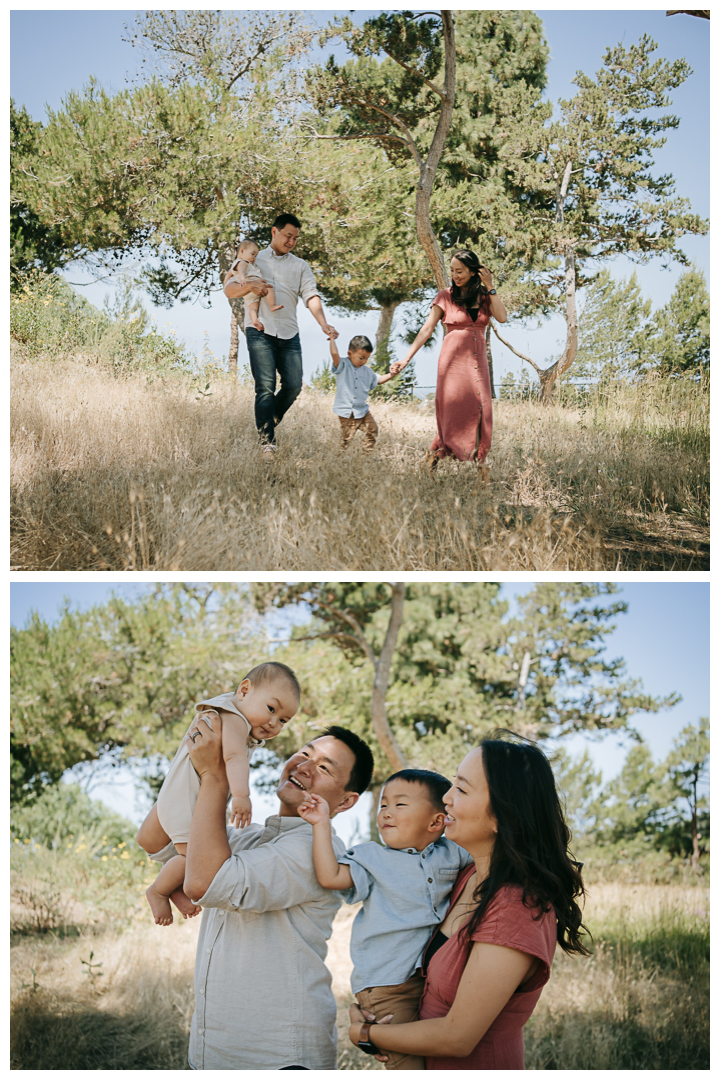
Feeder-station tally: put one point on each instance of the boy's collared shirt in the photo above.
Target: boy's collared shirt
(263, 997)
(292, 279)
(405, 894)
(353, 386)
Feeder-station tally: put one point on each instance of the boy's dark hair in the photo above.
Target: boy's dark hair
(362, 770)
(434, 782)
(360, 342)
(271, 672)
(286, 219)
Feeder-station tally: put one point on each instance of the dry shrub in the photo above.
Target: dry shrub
(133, 474)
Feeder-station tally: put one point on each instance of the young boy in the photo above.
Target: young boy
(354, 383)
(265, 700)
(244, 270)
(404, 887)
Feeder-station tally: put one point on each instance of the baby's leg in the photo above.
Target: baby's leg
(403, 1001)
(271, 300)
(169, 883)
(151, 836)
(253, 308)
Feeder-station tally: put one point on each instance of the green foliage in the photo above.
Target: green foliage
(50, 319)
(677, 338)
(323, 379)
(457, 669)
(32, 244)
(610, 328)
(65, 811)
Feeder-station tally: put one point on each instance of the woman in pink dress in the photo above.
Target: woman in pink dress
(490, 957)
(463, 398)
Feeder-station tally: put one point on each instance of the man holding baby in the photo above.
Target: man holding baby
(275, 348)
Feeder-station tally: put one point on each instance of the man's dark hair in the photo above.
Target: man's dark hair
(434, 783)
(360, 342)
(286, 219)
(272, 671)
(362, 770)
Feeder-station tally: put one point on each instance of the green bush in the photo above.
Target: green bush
(49, 318)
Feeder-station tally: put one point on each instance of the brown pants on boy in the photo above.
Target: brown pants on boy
(350, 424)
(403, 1001)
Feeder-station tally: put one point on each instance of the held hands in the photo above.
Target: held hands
(329, 330)
(314, 810)
(240, 811)
(358, 1017)
(397, 366)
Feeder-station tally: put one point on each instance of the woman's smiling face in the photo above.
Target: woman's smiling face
(469, 819)
(460, 273)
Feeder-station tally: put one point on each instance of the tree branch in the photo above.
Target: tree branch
(509, 346)
(382, 678)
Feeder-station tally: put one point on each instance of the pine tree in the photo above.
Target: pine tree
(676, 340)
(610, 328)
(592, 193)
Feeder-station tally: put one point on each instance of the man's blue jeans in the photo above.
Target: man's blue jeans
(270, 357)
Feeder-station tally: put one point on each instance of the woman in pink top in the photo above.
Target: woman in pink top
(489, 959)
(463, 397)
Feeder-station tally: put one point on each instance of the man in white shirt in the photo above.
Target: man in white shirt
(275, 350)
(263, 997)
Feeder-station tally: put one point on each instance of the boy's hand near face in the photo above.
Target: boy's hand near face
(240, 811)
(314, 810)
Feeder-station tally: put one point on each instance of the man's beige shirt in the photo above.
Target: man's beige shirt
(263, 997)
(292, 279)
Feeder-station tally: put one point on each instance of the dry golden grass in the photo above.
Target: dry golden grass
(641, 1001)
(130, 474)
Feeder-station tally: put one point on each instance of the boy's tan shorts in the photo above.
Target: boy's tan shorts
(403, 1001)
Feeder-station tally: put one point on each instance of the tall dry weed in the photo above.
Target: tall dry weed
(134, 474)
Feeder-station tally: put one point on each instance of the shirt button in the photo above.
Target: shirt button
(200, 1031)
(201, 990)
(423, 856)
(430, 880)
(208, 951)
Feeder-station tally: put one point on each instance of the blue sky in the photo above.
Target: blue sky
(53, 52)
(664, 639)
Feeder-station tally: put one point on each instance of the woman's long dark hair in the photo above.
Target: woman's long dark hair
(531, 846)
(474, 294)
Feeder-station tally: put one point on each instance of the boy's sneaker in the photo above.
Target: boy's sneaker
(269, 448)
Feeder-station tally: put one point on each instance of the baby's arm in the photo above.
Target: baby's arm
(237, 766)
(334, 353)
(328, 870)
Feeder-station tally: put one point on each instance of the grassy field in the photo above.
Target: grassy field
(136, 473)
(119, 996)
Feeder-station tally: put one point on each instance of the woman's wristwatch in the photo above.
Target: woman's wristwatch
(492, 292)
(364, 1041)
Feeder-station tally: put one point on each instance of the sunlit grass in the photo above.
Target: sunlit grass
(134, 474)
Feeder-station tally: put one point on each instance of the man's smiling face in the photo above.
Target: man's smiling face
(322, 767)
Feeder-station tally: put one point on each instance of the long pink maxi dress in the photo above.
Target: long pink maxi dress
(463, 399)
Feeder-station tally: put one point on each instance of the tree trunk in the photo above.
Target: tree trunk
(428, 168)
(696, 846)
(488, 350)
(382, 679)
(375, 790)
(387, 311)
(233, 357)
(549, 377)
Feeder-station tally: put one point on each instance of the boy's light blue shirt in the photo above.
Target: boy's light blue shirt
(353, 386)
(405, 894)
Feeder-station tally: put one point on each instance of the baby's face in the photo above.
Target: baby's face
(358, 357)
(405, 815)
(248, 252)
(267, 707)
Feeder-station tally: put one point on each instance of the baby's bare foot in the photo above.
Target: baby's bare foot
(184, 904)
(160, 906)
(278, 307)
